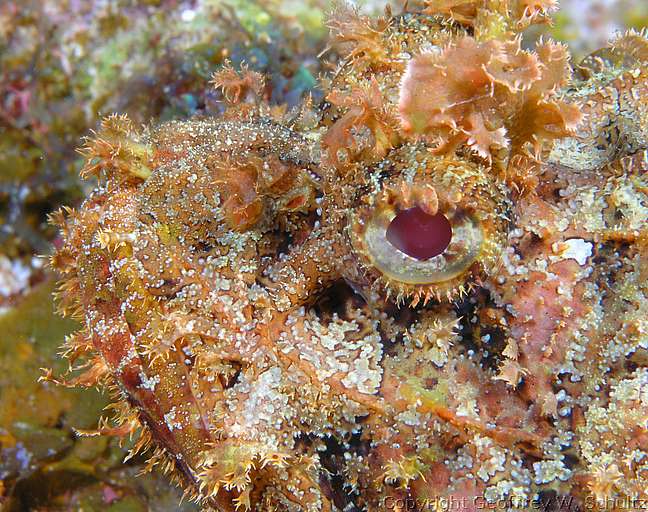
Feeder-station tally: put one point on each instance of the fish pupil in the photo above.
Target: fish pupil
(418, 234)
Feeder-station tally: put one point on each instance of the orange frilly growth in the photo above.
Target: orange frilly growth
(518, 14)
(365, 108)
(358, 36)
(489, 95)
(238, 86)
(116, 152)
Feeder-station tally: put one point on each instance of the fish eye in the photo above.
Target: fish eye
(431, 232)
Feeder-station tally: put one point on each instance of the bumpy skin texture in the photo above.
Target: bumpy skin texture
(257, 328)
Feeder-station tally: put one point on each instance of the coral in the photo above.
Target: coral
(255, 295)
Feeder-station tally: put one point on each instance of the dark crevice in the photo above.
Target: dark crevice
(338, 299)
(333, 461)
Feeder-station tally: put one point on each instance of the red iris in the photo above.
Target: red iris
(418, 234)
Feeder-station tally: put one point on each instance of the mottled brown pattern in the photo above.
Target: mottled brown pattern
(279, 353)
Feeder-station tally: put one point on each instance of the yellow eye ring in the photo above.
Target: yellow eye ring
(463, 249)
(475, 207)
